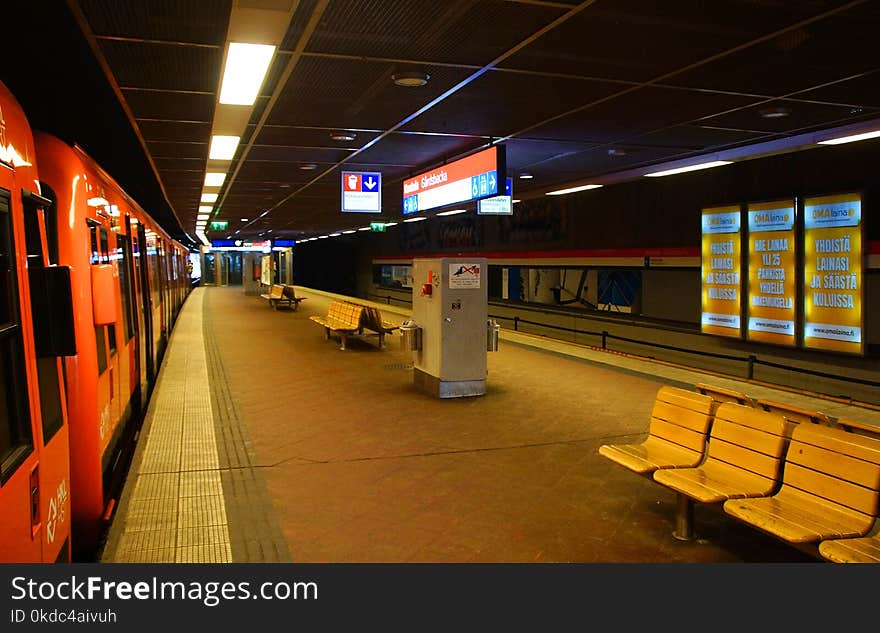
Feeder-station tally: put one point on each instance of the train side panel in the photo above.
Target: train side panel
(34, 490)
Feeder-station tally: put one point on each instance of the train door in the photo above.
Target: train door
(51, 304)
(21, 528)
(233, 266)
(210, 272)
(146, 314)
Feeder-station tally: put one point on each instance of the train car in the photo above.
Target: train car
(92, 286)
(129, 286)
(35, 333)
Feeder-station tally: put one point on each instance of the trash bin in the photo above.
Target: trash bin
(411, 336)
(492, 329)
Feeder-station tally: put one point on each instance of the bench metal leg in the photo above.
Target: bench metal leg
(326, 333)
(684, 518)
(342, 336)
(381, 340)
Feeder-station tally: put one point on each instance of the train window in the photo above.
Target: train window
(47, 367)
(95, 257)
(50, 397)
(16, 442)
(126, 289)
(101, 345)
(50, 215)
(32, 237)
(111, 337)
(105, 257)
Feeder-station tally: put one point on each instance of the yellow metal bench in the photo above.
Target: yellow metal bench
(289, 295)
(343, 318)
(830, 489)
(680, 421)
(794, 413)
(745, 450)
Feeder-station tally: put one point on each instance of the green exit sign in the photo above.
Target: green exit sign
(219, 226)
(377, 226)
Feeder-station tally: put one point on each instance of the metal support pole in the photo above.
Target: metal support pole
(684, 518)
(752, 360)
(604, 335)
(516, 324)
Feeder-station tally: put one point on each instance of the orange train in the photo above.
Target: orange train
(90, 287)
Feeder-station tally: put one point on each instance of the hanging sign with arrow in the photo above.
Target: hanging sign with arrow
(361, 192)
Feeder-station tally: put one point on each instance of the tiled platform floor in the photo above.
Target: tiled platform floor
(347, 461)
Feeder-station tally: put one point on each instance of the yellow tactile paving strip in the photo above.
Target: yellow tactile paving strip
(173, 508)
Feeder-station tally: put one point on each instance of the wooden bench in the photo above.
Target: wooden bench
(745, 450)
(722, 394)
(680, 421)
(276, 296)
(830, 490)
(371, 319)
(290, 295)
(343, 318)
(794, 413)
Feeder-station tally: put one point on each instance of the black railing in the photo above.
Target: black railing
(750, 360)
(389, 298)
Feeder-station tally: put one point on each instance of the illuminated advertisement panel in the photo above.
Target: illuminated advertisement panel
(464, 180)
(833, 274)
(771, 281)
(720, 271)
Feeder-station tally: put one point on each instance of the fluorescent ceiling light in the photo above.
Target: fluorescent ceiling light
(209, 197)
(681, 170)
(347, 232)
(205, 209)
(391, 224)
(323, 237)
(453, 212)
(214, 178)
(561, 192)
(335, 234)
(243, 219)
(246, 66)
(202, 216)
(414, 220)
(851, 139)
(515, 201)
(223, 147)
(366, 228)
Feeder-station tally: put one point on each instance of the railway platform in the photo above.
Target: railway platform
(265, 442)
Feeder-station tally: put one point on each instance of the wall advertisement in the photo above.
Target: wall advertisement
(772, 283)
(720, 271)
(833, 273)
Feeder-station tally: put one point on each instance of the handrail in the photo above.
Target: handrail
(752, 359)
(388, 298)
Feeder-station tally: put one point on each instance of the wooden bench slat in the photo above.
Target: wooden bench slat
(694, 440)
(685, 418)
(715, 481)
(795, 413)
(685, 399)
(851, 550)
(652, 454)
(722, 394)
(831, 488)
(774, 516)
(746, 459)
(767, 442)
(836, 464)
(865, 448)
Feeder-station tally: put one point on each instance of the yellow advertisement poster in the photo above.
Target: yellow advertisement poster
(771, 280)
(833, 274)
(720, 270)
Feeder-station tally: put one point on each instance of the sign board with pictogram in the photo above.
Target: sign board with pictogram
(361, 192)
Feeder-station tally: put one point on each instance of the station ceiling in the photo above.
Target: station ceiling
(576, 91)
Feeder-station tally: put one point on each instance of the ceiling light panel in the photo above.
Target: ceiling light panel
(223, 147)
(246, 66)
